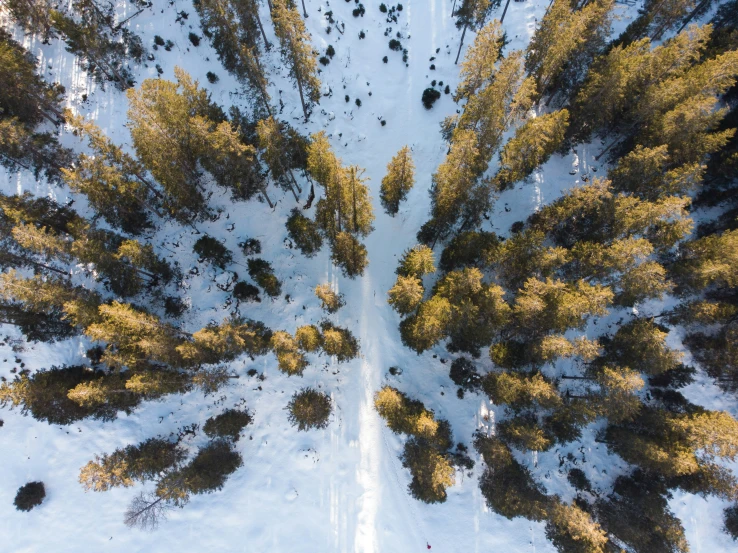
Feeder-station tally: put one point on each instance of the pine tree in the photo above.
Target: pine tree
(228, 424)
(126, 465)
(93, 39)
(428, 326)
(406, 294)
(339, 342)
(304, 233)
(115, 184)
(286, 348)
(573, 530)
(134, 337)
(226, 341)
(478, 67)
(330, 300)
(709, 261)
(309, 409)
(641, 345)
(231, 26)
(398, 181)
(431, 471)
(296, 51)
(273, 145)
(617, 399)
(533, 144)
(648, 173)
(566, 42)
(471, 13)
(521, 390)
(33, 16)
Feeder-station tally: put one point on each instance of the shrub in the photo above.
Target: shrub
(158, 40)
(29, 496)
(263, 274)
(174, 306)
(250, 246)
(308, 409)
(209, 249)
(730, 520)
(359, 11)
(383, 8)
(330, 51)
(579, 480)
(324, 60)
(433, 67)
(304, 232)
(339, 342)
(395, 45)
(430, 95)
(309, 338)
(464, 374)
(362, 34)
(385, 59)
(212, 77)
(331, 301)
(447, 90)
(228, 424)
(194, 39)
(347, 98)
(243, 291)
(431, 471)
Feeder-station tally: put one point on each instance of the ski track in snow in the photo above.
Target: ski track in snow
(342, 489)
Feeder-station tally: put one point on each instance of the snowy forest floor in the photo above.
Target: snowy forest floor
(341, 489)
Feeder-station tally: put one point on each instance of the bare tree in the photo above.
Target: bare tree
(146, 511)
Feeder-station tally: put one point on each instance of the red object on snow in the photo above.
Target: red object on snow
(428, 545)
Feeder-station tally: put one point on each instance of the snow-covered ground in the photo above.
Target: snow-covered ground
(341, 489)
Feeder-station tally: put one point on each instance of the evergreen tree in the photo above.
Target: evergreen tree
(330, 300)
(25, 102)
(398, 181)
(273, 145)
(520, 390)
(286, 348)
(472, 13)
(406, 294)
(572, 530)
(29, 496)
(33, 16)
(95, 40)
(227, 425)
(533, 144)
(296, 51)
(566, 42)
(641, 345)
(431, 471)
(126, 465)
(304, 233)
(309, 409)
(234, 336)
(115, 184)
(339, 342)
(478, 67)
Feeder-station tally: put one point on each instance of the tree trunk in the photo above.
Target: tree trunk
(304, 11)
(266, 196)
(461, 44)
(263, 34)
(504, 11)
(696, 9)
(294, 181)
(302, 98)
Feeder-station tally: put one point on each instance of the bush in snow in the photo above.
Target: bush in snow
(308, 409)
(29, 496)
(243, 291)
(250, 246)
(430, 95)
(228, 424)
(212, 77)
(194, 39)
(212, 251)
(464, 374)
(730, 521)
(304, 232)
(261, 271)
(395, 45)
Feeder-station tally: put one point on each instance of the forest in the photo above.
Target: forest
(442, 275)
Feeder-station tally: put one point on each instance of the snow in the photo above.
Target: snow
(341, 489)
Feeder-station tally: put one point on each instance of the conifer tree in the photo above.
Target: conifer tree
(330, 300)
(571, 529)
(115, 184)
(617, 399)
(567, 40)
(26, 101)
(533, 144)
(286, 348)
(94, 39)
(398, 181)
(641, 345)
(417, 261)
(471, 13)
(296, 51)
(478, 67)
(273, 145)
(304, 233)
(126, 465)
(34, 16)
(231, 25)
(406, 294)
